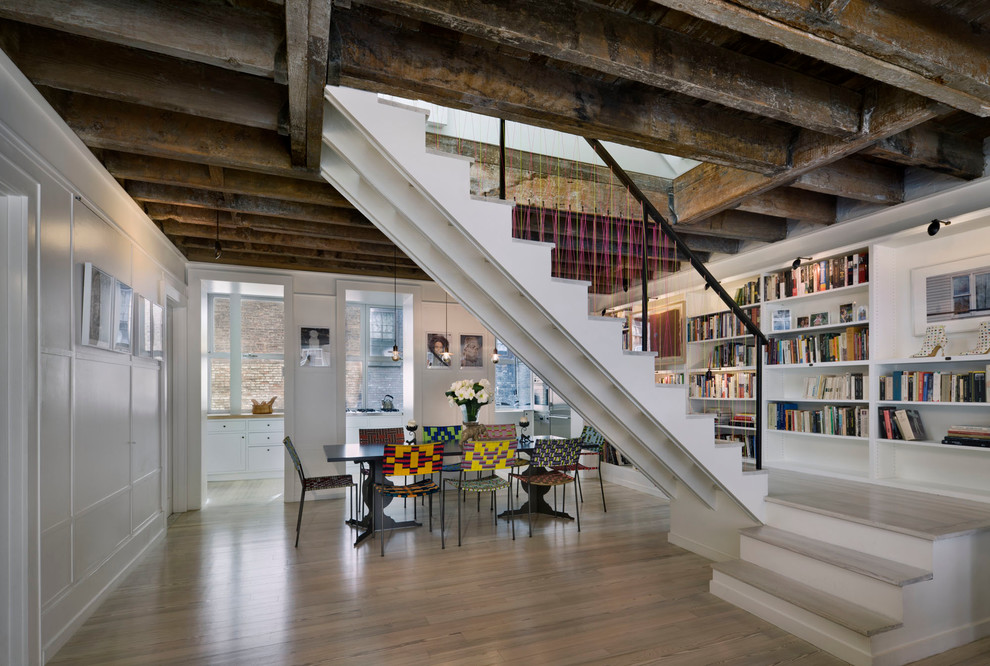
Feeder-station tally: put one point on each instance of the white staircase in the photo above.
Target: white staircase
(375, 154)
(866, 590)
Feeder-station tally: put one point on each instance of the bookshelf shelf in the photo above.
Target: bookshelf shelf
(817, 329)
(819, 364)
(821, 401)
(732, 368)
(815, 295)
(931, 403)
(936, 445)
(698, 397)
(708, 341)
(817, 435)
(735, 428)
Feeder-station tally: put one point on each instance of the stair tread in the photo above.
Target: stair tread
(879, 568)
(835, 609)
(633, 352)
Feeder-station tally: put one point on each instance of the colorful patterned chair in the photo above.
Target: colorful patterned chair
(548, 454)
(591, 445)
(317, 483)
(483, 456)
(405, 460)
(368, 436)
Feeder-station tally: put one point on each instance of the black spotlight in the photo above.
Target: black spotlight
(708, 286)
(935, 225)
(797, 262)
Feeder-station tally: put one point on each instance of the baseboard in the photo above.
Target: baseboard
(935, 644)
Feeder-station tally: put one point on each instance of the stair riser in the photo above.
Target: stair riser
(862, 590)
(864, 538)
(829, 636)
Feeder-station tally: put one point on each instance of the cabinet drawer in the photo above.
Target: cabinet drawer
(225, 452)
(225, 425)
(265, 458)
(265, 425)
(265, 439)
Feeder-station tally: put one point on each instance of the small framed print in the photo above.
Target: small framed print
(803, 322)
(862, 313)
(781, 320)
(846, 312)
(472, 351)
(157, 331)
(123, 308)
(142, 327)
(314, 346)
(97, 307)
(819, 319)
(436, 345)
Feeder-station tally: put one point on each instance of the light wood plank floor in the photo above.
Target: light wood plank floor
(227, 587)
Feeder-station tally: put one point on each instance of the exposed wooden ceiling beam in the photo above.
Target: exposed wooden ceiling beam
(79, 64)
(738, 224)
(369, 55)
(617, 44)
(238, 258)
(711, 188)
(204, 216)
(856, 179)
(212, 33)
(405, 267)
(792, 204)
(317, 56)
(900, 42)
(128, 166)
(134, 128)
(925, 147)
(296, 43)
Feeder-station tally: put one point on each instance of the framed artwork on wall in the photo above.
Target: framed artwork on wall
(314, 346)
(142, 327)
(436, 344)
(123, 309)
(97, 307)
(472, 351)
(955, 294)
(157, 331)
(781, 320)
(667, 332)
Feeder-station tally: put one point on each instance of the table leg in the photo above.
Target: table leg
(540, 505)
(367, 523)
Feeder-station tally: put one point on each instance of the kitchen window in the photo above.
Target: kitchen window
(371, 374)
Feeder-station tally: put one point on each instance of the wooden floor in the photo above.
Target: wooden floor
(227, 587)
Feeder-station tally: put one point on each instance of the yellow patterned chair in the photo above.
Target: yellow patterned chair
(483, 456)
(408, 460)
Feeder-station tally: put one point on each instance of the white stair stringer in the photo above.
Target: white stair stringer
(375, 155)
(871, 594)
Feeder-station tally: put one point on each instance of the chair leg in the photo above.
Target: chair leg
(443, 518)
(459, 503)
(302, 499)
(580, 492)
(602, 485)
(431, 512)
(530, 505)
(508, 502)
(577, 511)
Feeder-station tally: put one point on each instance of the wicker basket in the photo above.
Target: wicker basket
(262, 407)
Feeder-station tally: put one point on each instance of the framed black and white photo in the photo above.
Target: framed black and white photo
(97, 307)
(314, 346)
(157, 331)
(472, 351)
(781, 320)
(436, 345)
(142, 327)
(123, 309)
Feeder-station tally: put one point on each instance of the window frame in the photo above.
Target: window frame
(366, 358)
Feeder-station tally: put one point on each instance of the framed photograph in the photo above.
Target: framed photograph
(803, 322)
(781, 320)
(314, 346)
(157, 331)
(142, 327)
(667, 332)
(97, 307)
(123, 308)
(472, 351)
(846, 312)
(436, 343)
(862, 313)
(955, 294)
(819, 319)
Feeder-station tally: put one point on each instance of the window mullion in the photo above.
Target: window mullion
(235, 354)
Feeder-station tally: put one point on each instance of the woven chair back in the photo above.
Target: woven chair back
(440, 433)
(412, 459)
(295, 459)
(380, 436)
(500, 431)
(591, 436)
(556, 452)
(485, 454)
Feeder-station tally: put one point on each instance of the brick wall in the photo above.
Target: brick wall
(262, 332)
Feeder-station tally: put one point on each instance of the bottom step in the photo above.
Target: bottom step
(832, 623)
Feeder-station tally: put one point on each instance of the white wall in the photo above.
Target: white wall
(94, 495)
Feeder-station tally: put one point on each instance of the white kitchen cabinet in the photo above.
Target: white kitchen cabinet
(249, 447)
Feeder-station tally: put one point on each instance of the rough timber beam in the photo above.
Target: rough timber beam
(133, 128)
(128, 166)
(856, 179)
(924, 147)
(903, 43)
(710, 188)
(792, 204)
(326, 265)
(738, 224)
(368, 55)
(592, 36)
(79, 64)
(212, 33)
(307, 27)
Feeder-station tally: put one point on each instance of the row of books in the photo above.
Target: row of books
(736, 419)
(669, 377)
(719, 325)
(748, 294)
(610, 454)
(746, 441)
(903, 424)
(732, 355)
(968, 435)
(723, 385)
(850, 386)
(844, 271)
(935, 386)
(849, 345)
(828, 420)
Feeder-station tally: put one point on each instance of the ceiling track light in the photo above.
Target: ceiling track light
(935, 225)
(797, 262)
(217, 250)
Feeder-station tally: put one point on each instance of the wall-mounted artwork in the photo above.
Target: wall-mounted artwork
(142, 327)
(314, 346)
(436, 344)
(954, 294)
(157, 331)
(97, 307)
(123, 309)
(667, 332)
(472, 351)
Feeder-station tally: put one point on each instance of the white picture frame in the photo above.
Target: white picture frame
(123, 317)
(157, 331)
(781, 320)
(919, 295)
(97, 308)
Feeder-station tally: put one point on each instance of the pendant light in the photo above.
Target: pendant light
(396, 356)
(445, 356)
(495, 356)
(217, 250)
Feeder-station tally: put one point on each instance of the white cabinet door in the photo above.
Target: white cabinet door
(265, 458)
(225, 452)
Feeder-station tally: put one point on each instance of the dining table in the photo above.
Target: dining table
(536, 494)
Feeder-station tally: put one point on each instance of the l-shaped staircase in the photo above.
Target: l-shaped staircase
(866, 593)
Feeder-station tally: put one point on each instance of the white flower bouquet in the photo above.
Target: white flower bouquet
(470, 395)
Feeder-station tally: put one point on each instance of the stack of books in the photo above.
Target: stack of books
(968, 435)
